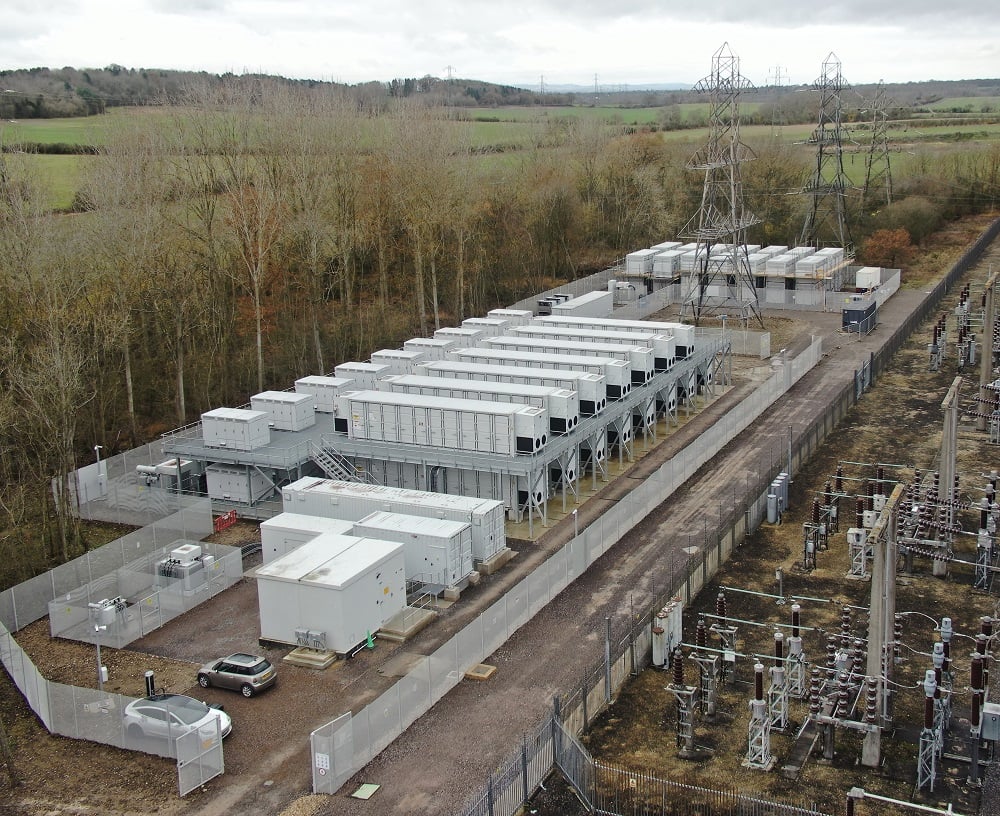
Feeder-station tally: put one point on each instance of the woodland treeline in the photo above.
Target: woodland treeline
(245, 239)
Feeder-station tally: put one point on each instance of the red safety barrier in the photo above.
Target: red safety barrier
(225, 521)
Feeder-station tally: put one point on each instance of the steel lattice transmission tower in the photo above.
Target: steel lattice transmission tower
(722, 272)
(828, 185)
(878, 174)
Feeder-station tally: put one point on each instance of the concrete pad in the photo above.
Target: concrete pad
(481, 671)
(405, 624)
(495, 561)
(310, 658)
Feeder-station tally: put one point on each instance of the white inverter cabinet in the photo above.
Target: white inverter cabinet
(437, 552)
(281, 534)
(235, 428)
(340, 597)
(288, 410)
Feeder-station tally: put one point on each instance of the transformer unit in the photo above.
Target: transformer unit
(562, 406)
(664, 346)
(640, 359)
(470, 425)
(236, 483)
(592, 393)
(181, 571)
(617, 373)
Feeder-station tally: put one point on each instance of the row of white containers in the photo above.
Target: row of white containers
(669, 259)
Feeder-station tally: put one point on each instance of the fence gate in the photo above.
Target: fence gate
(199, 757)
(332, 748)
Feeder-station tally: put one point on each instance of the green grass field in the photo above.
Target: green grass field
(970, 104)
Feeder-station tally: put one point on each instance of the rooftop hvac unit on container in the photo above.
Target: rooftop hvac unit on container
(281, 534)
(469, 425)
(640, 262)
(592, 393)
(433, 348)
(640, 359)
(323, 390)
(592, 304)
(436, 551)
(236, 483)
(617, 373)
(682, 333)
(342, 597)
(489, 326)
(514, 317)
(236, 428)
(534, 488)
(568, 471)
(289, 411)
(363, 375)
(664, 346)
(353, 501)
(399, 361)
(183, 570)
(562, 406)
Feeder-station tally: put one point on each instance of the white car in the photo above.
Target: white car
(168, 716)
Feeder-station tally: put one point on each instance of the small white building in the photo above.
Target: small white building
(332, 592)
(285, 532)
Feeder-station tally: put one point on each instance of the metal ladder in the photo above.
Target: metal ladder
(336, 466)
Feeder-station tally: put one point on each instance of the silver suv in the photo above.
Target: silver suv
(245, 673)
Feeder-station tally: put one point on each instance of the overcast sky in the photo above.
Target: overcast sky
(623, 42)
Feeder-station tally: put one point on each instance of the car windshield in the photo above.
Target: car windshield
(187, 709)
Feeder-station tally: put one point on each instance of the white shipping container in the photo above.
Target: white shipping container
(343, 598)
(399, 361)
(868, 277)
(592, 304)
(666, 245)
(324, 389)
(667, 264)
(812, 266)
(472, 425)
(364, 375)
(774, 250)
(515, 317)
(235, 428)
(801, 251)
(281, 534)
(562, 405)
(233, 483)
(663, 345)
(354, 500)
(617, 373)
(639, 358)
(288, 410)
(436, 551)
(592, 393)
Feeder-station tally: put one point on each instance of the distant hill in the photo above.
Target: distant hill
(58, 92)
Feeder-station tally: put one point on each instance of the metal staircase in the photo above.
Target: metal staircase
(336, 466)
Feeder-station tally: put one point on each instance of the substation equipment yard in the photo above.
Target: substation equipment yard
(842, 658)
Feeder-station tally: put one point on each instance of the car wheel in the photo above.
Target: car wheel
(203, 681)
(134, 732)
(246, 690)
